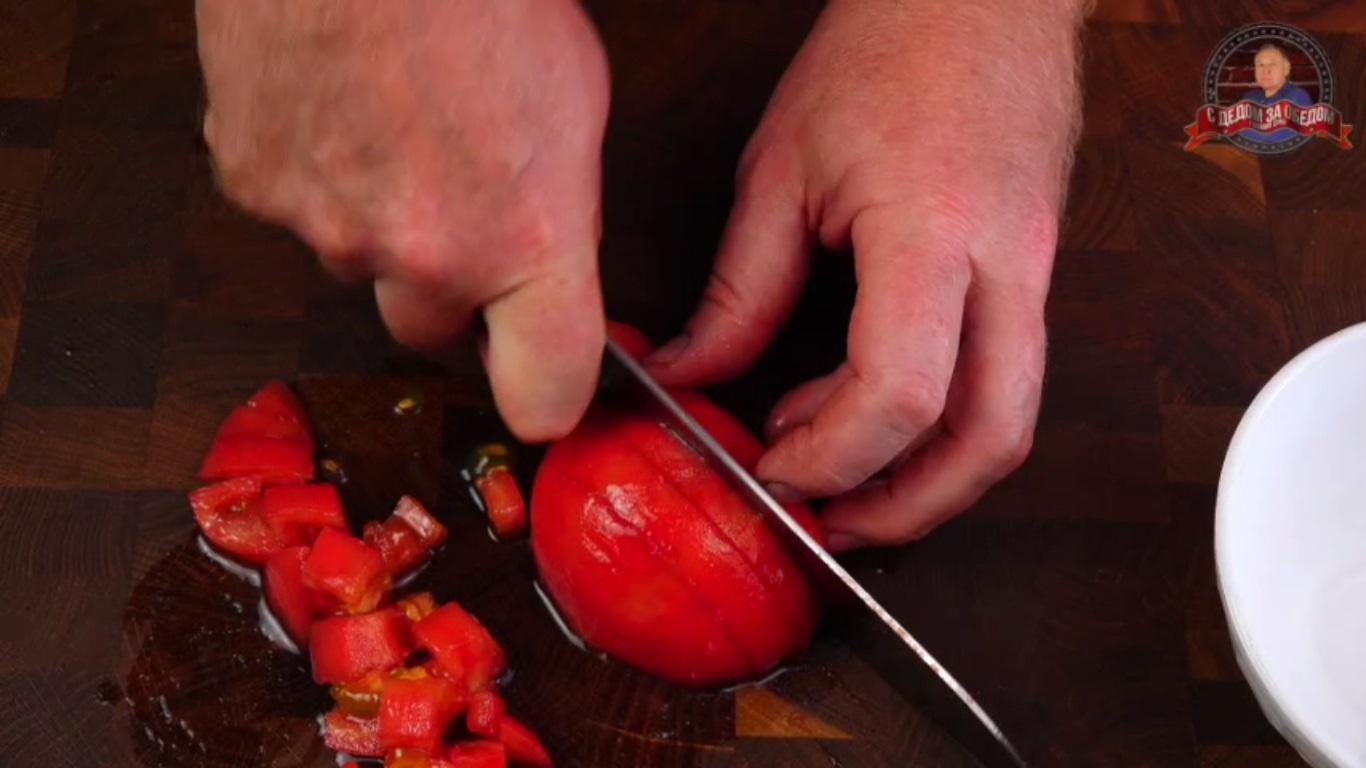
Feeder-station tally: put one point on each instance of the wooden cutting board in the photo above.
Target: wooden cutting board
(1077, 600)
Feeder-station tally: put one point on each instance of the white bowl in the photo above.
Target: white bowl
(1290, 548)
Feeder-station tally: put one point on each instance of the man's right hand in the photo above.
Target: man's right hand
(448, 149)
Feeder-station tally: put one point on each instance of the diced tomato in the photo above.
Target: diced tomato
(485, 714)
(309, 507)
(399, 546)
(290, 601)
(229, 513)
(351, 735)
(523, 746)
(273, 460)
(414, 712)
(503, 501)
(413, 758)
(461, 648)
(631, 339)
(478, 753)
(348, 569)
(428, 528)
(279, 400)
(346, 648)
(245, 421)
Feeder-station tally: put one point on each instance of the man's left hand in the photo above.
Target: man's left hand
(934, 140)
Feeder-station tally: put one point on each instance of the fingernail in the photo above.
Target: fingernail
(669, 352)
(783, 493)
(840, 542)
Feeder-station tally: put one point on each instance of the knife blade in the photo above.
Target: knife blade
(874, 634)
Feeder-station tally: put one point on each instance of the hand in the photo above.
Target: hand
(934, 140)
(448, 149)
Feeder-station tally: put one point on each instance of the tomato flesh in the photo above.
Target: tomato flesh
(631, 339)
(485, 714)
(310, 507)
(352, 735)
(480, 753)
(522, 745)
(461, 648)
(290, 601)
(245, 421)
(654, 558)
(347, 648)
(330, 592)
(415, 713)
(275, 461)
(348, 569)
(278, 399)
(503, 502)
(429, 530)
(230, 515)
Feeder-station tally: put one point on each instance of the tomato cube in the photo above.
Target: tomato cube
(522, 744)
(461, 648)
(275, 461)
(399, 546)
(485, 714)
(229, 514)
(354, 736)
(503, 502)
(279, 400)
(348, 569)
(346, 648)
(245, 421)
(428, 528)
(309, 507)
(478, 753)
(289, 600)
(414, 712)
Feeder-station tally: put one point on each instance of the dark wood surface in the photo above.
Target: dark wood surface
(1077, 600)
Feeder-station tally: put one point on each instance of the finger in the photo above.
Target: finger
(760, 268)
(545, 345)
(990, 426)
(419, 317)
(903, 341)
(800, 405)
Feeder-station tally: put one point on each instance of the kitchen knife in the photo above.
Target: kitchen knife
(875, 635)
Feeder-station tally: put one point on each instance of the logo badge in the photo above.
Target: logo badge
(1268, 89)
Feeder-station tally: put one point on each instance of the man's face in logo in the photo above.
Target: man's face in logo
(1273, 69)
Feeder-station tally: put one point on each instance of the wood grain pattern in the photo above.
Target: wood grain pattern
(1078, 600)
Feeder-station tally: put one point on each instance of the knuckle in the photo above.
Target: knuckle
(914, 399)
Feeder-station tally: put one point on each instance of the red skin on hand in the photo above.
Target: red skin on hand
(653, 558)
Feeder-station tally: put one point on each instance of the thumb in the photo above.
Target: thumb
(545, 345)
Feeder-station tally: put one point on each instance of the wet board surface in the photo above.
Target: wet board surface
(1077, 600)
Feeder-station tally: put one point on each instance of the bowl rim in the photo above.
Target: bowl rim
(1320, 749)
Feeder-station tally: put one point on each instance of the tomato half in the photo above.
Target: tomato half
(654, 558)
